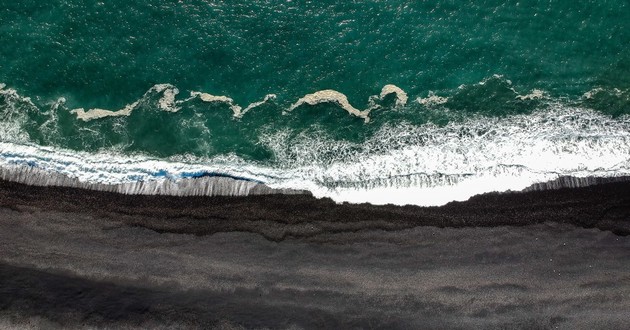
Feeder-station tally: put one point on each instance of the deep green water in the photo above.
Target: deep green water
(108, 54)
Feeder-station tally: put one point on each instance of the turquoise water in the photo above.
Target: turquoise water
(456, 62)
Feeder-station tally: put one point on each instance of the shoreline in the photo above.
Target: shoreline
(605, 206)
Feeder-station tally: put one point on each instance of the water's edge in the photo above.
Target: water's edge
(223, 185)
(278, 216)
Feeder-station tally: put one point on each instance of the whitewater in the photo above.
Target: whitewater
(401, 163)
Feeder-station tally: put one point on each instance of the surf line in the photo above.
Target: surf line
(168, 92)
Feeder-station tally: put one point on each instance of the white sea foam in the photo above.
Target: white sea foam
(432, 100)
(165, 103)
(8, 92)
(107, 171)
(209, 98)
(407, 164)
(202, 186)
(11, 96)
(589, 95)
(13, 114)
(401, 96)
(536, 94)
(340, 99)
(402, 164)
(97, 113)
(612, 91)
(236, 109)
(268, 98)
(330, 96)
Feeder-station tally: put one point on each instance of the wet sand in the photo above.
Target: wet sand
(539, 259)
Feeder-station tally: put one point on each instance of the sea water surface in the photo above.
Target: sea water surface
(404, 102)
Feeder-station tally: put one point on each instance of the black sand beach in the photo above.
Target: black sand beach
(535, 260)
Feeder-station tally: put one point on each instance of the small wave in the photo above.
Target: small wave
(495, 96)
(536, 94)
(589, 95)
(129, 174)
(213, 185)
(593, 93)
(11, 97)
(613, 101)
(432, 100)
(460, 159)
(14, 110)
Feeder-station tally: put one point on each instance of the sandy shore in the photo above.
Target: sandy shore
(539, 259)
(276, 217)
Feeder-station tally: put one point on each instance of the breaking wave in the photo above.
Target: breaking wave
(401, 163)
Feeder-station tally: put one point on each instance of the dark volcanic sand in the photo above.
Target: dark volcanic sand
(76, 258)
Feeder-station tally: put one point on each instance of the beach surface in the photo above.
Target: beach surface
(537, 260)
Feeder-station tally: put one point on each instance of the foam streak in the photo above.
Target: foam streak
(165, 103)
(236, 109)
(340, 99)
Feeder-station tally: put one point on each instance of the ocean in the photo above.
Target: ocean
(402, 102)
(299, 164)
